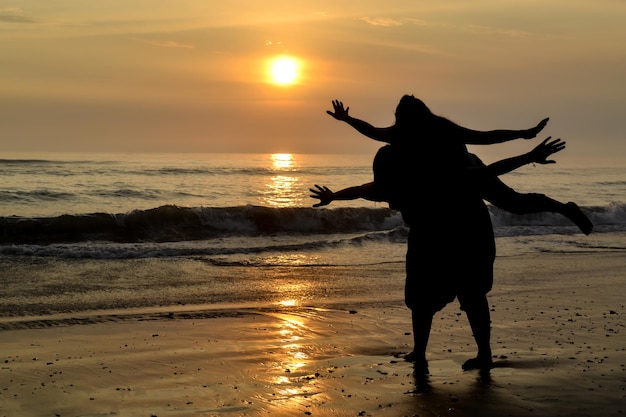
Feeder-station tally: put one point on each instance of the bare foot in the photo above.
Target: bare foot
(420, 364)
(478, 363)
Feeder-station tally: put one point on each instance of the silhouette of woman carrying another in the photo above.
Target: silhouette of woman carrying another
(420, 132)
(451, 249)
(439, 265)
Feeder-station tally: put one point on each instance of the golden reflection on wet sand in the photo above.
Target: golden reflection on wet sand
(291, 380)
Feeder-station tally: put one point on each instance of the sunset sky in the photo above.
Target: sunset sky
(195, 76)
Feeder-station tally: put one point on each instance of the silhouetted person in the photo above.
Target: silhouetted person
(428, 163)
(422, 133)
(433, 278)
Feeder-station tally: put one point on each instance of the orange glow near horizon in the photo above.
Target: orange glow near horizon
(258, 77)
(282, 160)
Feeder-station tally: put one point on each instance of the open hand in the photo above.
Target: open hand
(545, 149)
(339, 112)
(532, 132)
(324, 194)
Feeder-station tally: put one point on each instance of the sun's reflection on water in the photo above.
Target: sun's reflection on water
(282, 160)
(282, 189)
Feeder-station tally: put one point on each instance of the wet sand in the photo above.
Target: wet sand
(558, 341)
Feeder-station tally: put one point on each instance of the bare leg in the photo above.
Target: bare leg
(506, 198)
(480, 322)
(422, 322)
(576, 215)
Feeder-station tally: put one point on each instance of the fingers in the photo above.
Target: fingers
(556, 145)
(546, 141)
(318, 191)
(338, 105)
(323, 188)
(531, 133)
(541, 125)
(555, 142)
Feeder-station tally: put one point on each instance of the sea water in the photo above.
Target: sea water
(68, 220)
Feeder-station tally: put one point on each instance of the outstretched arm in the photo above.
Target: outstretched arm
(489, 137)
(382, 134)
(449, 129)
(326, 196)
(538, 155)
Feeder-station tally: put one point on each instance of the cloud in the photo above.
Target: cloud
(487, 30)
(10, 16)
(165, 44)
(381, 21)
(469, 28)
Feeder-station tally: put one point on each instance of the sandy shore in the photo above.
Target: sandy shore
(558, 340)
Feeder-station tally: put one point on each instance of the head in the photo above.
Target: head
(390, 173)
(411, 109)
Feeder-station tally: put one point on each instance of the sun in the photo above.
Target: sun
(284, 70)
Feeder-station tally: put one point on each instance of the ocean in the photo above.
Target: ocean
(82, 233)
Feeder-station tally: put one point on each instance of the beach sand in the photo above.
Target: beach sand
(558, 341)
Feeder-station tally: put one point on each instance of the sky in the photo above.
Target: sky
(196, 76)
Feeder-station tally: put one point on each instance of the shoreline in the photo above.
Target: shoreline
(557, 340)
